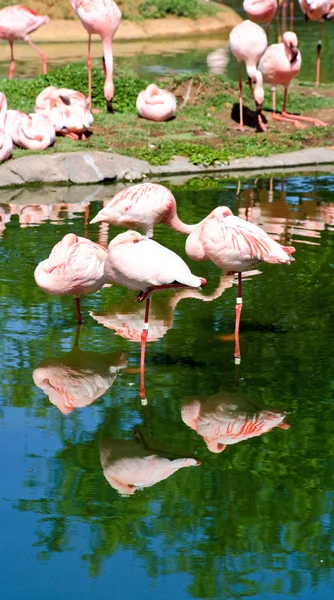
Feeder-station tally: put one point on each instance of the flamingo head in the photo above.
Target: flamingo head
(214, 445)
(290, 41)
(152, 89)
(128, 237)
(221, 212)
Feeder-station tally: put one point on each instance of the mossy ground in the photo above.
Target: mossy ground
(206, 126)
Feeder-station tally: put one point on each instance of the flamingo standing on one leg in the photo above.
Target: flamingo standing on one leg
(6, 143)
(279, 65)
(235, 246)
(143, 205)
(260, 11)
(156, 104)
(248, 42)
(16, 22)
(74, 267)
(318, 10)
(103, 18)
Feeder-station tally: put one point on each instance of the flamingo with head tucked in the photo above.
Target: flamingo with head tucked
(32, 132)
(248, 42)
(279, 65)
(68, 111)
(156, 104)
(16, 22)
(6, 143)
(101, 17)
(74, 267)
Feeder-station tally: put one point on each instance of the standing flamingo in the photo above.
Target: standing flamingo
(248, 42)
(279, 65)
(103, 18)
(156, 104)
(6, 143)
(260, 11)
(16, 22)
(235, 246)
(143, 205)
(74, 267)
(318, 10)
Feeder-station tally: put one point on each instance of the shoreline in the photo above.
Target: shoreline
(106, 167)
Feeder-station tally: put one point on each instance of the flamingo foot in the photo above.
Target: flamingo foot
(315, 122)
(291, 120)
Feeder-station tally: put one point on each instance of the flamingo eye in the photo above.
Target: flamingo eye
(135, 241)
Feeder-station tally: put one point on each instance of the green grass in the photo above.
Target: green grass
(203, 130)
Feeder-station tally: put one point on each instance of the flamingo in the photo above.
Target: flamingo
(235, 246)
(248, 42)
(6, 143)
(77, 378)
(68, 111)
(74, 267)
(318, 10)
(156, 104)
(103, 18)
(260, 11)
(32, 132)
(16, 22)
(229, 418)
(143, 205)
(279, 65)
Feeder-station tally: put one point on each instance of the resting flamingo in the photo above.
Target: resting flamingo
(156, 104)
(143, 205)
(280, 64)
(6, 143)
(74, 267)
(32, 132)
(68, 111)
(16, 22)
(228, 418)
(248, 42)
(103, 18)
(318, 10)
(235, 246)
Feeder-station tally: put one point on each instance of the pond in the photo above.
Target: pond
(248, 516)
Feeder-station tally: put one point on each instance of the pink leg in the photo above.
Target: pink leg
(144, 335)
(241, 126)
(77, 305)
(292, 14)
(316, 122)
(317, 72)
(77, 335)
(238, 308)
(260, 125)
(89, 67)
(43, 57)
(12, 61)
(277, 117)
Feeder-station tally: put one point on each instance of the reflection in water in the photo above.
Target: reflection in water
(77, 378)
(228, 418)
(217, 61)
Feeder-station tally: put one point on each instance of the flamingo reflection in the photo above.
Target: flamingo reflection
(228, 418)
(77, 378)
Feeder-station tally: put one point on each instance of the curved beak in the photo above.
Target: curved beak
(294, 52)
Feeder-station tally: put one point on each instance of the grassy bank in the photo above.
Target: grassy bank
(205, 128)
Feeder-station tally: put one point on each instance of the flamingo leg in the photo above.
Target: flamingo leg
(43, 57)
(317, 72)
(77, 336)
(292, 14)
(77, 306)
(144, 335)
(241, 125)
(89, 68)
(297, 118)
(12, 61)
(278, 27)
(277, 117)
(268, 32)
(238, 308)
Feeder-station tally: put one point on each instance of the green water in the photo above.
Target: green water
(255, 520)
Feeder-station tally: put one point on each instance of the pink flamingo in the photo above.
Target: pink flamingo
(6, 143)
(279, 65)
(68, 111)
(16, 22)
(318, 10)
(32, 132)
(143, 205)
(77, 378)
(74, 267)
(260, 11)
(235, 246)
(248, 42)
(103, 18)
(229, 418)
(156, 104)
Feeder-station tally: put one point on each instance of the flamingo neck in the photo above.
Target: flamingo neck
(109, 69)
(177, 225)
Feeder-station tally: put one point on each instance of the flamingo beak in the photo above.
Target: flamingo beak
(294, 51)
(110, 108)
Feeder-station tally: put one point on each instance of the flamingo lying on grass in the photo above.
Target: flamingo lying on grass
(280, 64)
(16, 22)
(31, 132)
(6, 143)
(235, 246)
(103, 18)
(248, 42)
(74, 267)
(68, 111)
(318, 10)
(143, 205)
(156, 104)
